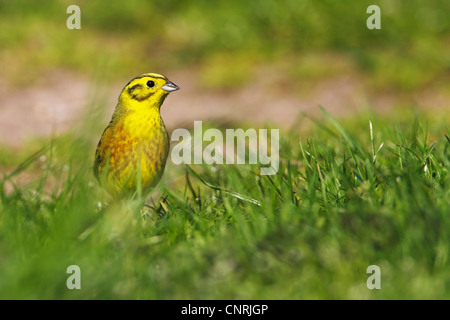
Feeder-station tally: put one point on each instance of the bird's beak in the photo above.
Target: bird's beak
(170, 86)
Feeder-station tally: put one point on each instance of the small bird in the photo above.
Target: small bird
(132, 152)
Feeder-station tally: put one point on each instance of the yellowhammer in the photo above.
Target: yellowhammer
(132, 152)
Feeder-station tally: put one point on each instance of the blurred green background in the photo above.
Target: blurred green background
(332, 210)
(232, 59)
(226, 41)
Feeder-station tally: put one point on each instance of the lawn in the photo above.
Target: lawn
(354, 188)
(349, 194)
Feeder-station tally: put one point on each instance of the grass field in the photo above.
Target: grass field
(349, 194)
(354, 189)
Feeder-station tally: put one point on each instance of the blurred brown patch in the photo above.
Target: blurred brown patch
(57, 103)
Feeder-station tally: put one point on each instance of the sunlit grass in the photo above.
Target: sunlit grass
(348, 194)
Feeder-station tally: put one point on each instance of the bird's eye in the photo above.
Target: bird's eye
(150, 84)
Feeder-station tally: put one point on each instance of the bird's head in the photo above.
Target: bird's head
(147, 89)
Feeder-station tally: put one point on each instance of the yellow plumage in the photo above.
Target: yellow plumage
(132, 152)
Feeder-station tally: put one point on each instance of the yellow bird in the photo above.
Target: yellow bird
(132, 152)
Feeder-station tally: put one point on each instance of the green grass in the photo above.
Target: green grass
(349, 193)
(406, 54)
(342, 200)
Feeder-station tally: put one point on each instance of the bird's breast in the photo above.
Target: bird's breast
(138, 148)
